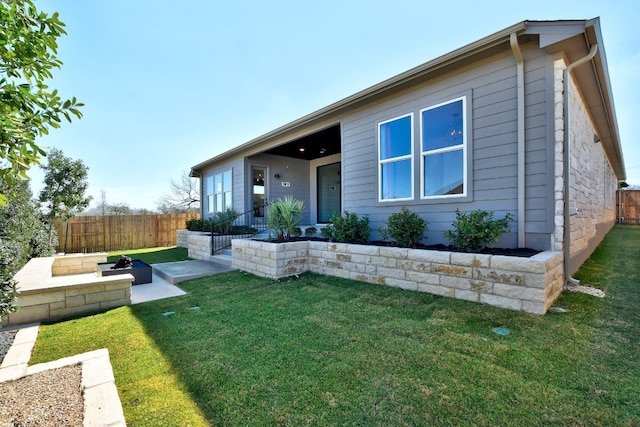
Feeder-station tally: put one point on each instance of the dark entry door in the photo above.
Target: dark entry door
(329, 191)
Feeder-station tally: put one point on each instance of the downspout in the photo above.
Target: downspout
(513, 40)
(566, 162)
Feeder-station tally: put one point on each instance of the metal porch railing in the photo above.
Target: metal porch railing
(243, 225)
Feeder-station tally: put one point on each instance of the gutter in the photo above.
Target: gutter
(513, 40)
(566, 162)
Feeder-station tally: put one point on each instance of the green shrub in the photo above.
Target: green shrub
(473, 231)
(348, 228)
(8, 254)
(222, 222)
(283, 217)
(310, 232)
(194, 224)
(405, 227)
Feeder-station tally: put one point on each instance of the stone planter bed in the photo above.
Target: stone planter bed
(516, 283)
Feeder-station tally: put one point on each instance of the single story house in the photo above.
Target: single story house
(520, 122)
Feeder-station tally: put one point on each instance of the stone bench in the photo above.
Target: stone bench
(51, 288)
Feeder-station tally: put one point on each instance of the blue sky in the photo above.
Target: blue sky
(170, 84)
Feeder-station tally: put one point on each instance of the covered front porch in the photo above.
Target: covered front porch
(308, 168)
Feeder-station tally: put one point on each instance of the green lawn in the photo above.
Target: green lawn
(320, 350)
(152, 255)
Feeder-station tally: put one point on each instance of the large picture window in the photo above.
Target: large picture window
(443, 145)
(219, 192)
(395, 159)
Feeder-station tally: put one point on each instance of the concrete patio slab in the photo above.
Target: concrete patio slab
(179, 271)
(159, 288)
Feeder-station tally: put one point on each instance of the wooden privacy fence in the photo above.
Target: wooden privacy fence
(119, 232)
(629, 206)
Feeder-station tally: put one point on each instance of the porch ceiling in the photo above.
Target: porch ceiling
(314, 146)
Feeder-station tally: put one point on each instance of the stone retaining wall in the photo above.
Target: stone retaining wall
(43, 295)
(527, 284)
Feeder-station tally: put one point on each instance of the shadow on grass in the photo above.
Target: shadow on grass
(324, 350)
(327, 351)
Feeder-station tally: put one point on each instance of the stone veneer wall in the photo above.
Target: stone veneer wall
(592, 182)
(527, 284)
(182, 238)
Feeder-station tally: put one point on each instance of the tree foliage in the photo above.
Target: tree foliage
(28, 108)
(66, 182)
(183, 198)
(22, 236)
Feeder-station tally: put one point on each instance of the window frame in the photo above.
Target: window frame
(219, 201)
(464, 147)
(410, 157)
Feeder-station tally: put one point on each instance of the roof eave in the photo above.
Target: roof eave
(373, 92)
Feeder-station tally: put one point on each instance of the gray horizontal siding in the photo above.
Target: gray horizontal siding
(237, 189)
(294, 171)
(492, 136)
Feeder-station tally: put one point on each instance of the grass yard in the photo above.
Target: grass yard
(320, 350)
(152, 255)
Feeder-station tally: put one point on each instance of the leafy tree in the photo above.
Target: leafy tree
(184, 196)
(22, 236)
(63, 195)
(28, 108)
(119, 209)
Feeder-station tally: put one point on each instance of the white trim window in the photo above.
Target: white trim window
(395, 159)
(443, 143)
(219, 192)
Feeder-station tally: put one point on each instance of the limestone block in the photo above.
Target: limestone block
(466, 295)
(532, 280)
(32, 298)
(404, 264)
(470, 260)
(502, 302)
(84, 289)
(481, 286)
(106, 296)
(451, 270)
(498, 276)
(521, 264)
(336, 247)
(519, 292)
(456, 282)
(421, 266)
(383, 261)
(403, 284)
(34, 313)
(363, 249)
(442, 257)
(394, 252)
(71, 311)
(423, 278)
(436, 289)
(533, 307)
(391, 272)
(75, 301)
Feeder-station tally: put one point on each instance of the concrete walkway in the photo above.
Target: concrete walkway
(167, 275)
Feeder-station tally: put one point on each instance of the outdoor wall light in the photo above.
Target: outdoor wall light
(276, 176)
(596, 138)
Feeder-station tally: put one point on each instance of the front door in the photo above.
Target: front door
(329, 195)
(258, 177)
